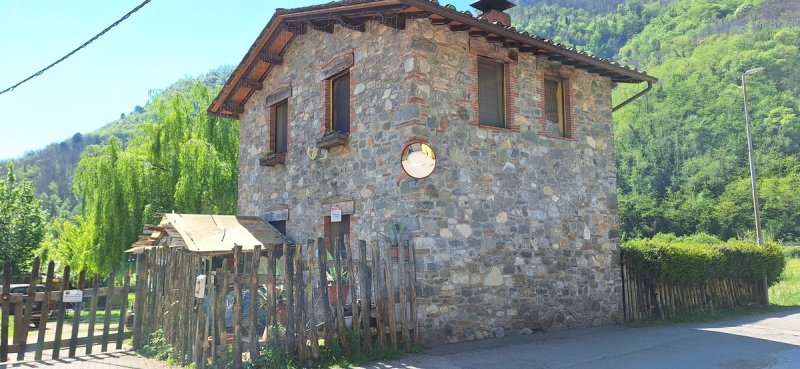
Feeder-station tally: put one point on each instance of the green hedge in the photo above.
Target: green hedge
(694, 260)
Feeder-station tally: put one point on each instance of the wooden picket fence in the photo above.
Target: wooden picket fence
(381, 300)
(20, 308)
(667, 301)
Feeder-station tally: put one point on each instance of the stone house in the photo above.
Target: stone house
(515, 230)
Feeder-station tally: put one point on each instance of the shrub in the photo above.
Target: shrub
(696, 259)
(794, 253)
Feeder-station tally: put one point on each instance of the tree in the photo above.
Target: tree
(22, 222)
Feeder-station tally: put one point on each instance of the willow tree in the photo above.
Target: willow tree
(183, 161)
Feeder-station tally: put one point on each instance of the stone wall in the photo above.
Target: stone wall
(515, 231)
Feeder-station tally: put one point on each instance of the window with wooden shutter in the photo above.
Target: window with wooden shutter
(340, 103)
(334, 233)
(491, 93)
(281, 128)
(554, 102)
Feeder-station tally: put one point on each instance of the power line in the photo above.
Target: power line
(124, 17)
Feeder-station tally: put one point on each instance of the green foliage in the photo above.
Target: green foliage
(333, 355)
(787, 292)
(793, 252)
(22, 222)
(697, 259)
(157, 347)
(183, 161)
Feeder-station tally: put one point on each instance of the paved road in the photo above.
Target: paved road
(753, 342)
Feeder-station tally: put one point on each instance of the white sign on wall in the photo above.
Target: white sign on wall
(336, 214)
(73, 296)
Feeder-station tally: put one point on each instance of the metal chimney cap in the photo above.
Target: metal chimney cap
(486, 5)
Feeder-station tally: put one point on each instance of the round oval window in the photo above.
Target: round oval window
(418, 160)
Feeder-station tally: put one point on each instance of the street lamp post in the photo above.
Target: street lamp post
(753, 185)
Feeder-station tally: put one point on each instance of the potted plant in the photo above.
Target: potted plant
(395, 238)
(271, 158)
(337, 277)
(331, 139)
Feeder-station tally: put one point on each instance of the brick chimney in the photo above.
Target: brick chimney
(494, 10)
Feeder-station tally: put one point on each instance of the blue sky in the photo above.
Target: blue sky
(162, 42)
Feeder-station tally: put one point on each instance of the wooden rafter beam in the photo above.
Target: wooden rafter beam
(251, 84)
(440, 21)
(495, 39)
(397, 22)
(511, 44)
(459, 27)
(352, 24)
(478, 33)
(265, 57)
(233, 108)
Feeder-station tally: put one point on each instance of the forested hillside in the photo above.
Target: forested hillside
(682, 159)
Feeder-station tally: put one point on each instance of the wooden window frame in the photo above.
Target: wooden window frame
(332, 102)
(564, 105)
(273, 126)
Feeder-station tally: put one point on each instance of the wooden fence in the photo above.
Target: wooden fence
(377, 306)
(43, 309)
(666, 301)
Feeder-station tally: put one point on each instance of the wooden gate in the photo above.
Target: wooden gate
(60, 328)
(293, 307)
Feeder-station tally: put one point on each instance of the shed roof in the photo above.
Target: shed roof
(218, 234)
(268, 48)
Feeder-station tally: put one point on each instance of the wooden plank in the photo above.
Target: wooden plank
(206, 314)
(312, 317)
(237, 307)
(76, 319)
(322, 260)
(6, 306)
(340, 323)
(413, 277)
(288, 287)
(299, 308)
(272, 315)
(93, 314)
(60, 317)
(123, 311)
(45, 311)
(254, 302)
(403, 297)
(29, 300)
(351, 276)
(107, 317)
(377, 284)
(222, 334)
(362, 288)
(390, 311)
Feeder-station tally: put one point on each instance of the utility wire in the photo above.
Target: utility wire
(124, 17)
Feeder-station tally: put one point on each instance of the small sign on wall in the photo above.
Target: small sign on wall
(73, 296)
(336, 214)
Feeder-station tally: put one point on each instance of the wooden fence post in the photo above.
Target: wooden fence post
(351, 274)
(387, 270)
(377, 285)
(76, 319)
(237, 308)
(270, 334)
(29, 301)
(288, 287)
(61, 311)
(254, 303)
(138, 302)
(4, 326)
(45, 311)
(337, 260)
(323, 290)
(413, 277)
(365, 303)
(299, 296)
(93, 313)
(312, 317)
(107, 316)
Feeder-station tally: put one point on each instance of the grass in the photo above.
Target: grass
(787, 291)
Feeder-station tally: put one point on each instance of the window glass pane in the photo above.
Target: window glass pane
(554, 107)
(281, 126)
(341, 103)
(491, 99)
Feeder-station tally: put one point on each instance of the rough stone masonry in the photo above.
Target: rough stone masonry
(515, 230)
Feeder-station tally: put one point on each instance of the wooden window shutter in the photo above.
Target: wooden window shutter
(281, 126)
(491, 93)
